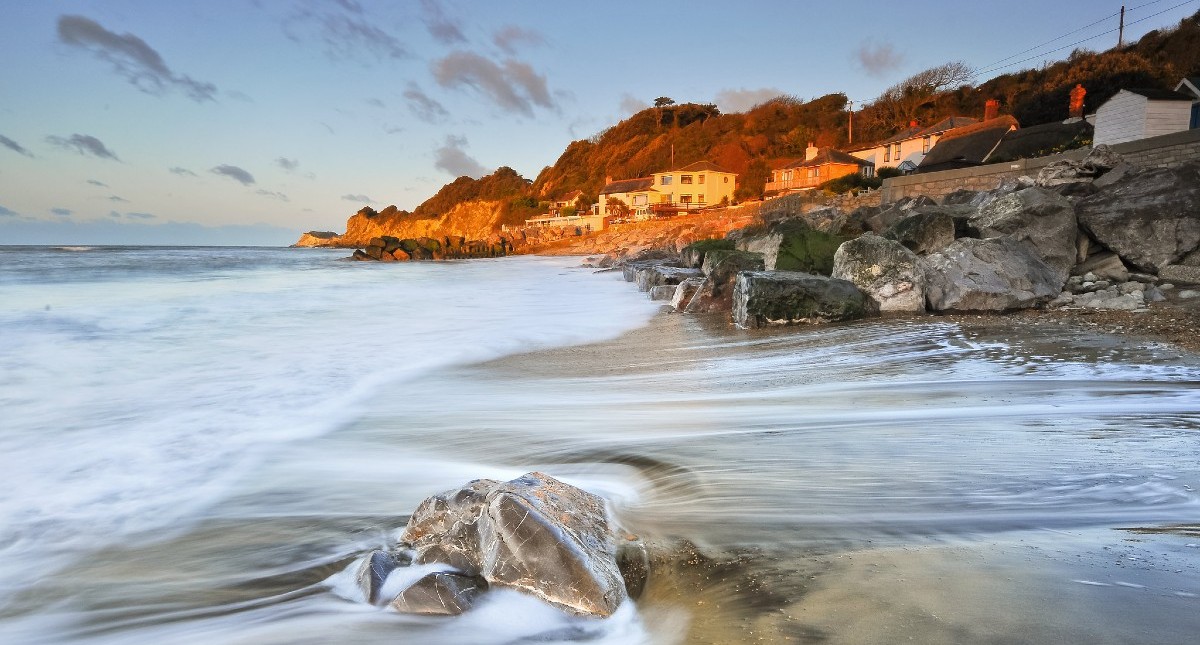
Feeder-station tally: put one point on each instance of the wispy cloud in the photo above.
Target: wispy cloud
(878, 59)
(443, 28)
(423, 107)
(631, 104)
(287, 164)
(377, 103)
(7, 212)
(358, 198)
(233, 172)
(272, 194)
(62, 212)
(182, 172)
(97, 182)
(118, 199)
(84, 144)
(453, 159)
(508, 37)
(14, 146)
(742, 99)
(514, 86)
(140, 216)
(345, 29)
(132, 58)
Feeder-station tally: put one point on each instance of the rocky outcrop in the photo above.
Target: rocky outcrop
(988, 275)
(792, 245)
(720, 269)
(1151, 218)
(887, 272)
(390, 249)
(534, 534)
(1042, 218)
(319, 239)
(926, 231)
(762, 298)
(1099, 161)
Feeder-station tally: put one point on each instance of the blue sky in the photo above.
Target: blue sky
(251, 121)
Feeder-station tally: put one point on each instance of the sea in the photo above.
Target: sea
(199, 445)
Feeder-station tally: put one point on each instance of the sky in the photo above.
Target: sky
(252, 121)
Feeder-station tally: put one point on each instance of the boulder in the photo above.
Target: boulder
(1151, 218)
(1105, 265)
(648, 277)
(721, 268)
(925, 231)
(890, 274)
(534, 534)
(763, 298)
(988, 275)
(442, 593)
(792, 245)
(663, 292)
(1042, 218)
(374, 572)
(960, 197)
(692, 255)
(684, 291)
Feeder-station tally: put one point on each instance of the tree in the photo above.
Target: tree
(902, 102)
(616, 207)
(663, 101)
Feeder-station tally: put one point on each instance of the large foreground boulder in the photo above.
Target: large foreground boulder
(890, 274)
(1042, 218)
(926, 231)
(534, 534)
(988, 275)
(721, 268)
(1151, 218)
(655, 275)
(763, 298)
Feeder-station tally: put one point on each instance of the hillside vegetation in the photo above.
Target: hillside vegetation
(745, 143)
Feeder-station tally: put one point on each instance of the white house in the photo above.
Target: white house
(906, 149)
(1142, 113)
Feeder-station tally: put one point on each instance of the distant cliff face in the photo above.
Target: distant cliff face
(474, 220)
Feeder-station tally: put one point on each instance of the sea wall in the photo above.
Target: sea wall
(1167, 150)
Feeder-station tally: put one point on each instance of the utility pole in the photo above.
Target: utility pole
(850, 134)
(1121, 29)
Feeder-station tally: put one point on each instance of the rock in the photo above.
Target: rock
(1106, 265)
(1151, 218)
(374, 252)
(763, 298)
(442, 593)
(1116, 174)
(1063, 172)
(401, 256)
(1007, 185)
(534, 534)
(648, 277)
(633, 560)
(374, 571)
(663, 292)
(890, 274)
(1188, 294)
(792, 245)
(1102, 159)
(988, 275)
(721, 268)
(924, 232)
(684, 291)
(1043, 219)
(359, 254)
(960, 197)
(692, 255)
(1180, 273)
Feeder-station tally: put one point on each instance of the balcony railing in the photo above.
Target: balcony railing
(791, 184)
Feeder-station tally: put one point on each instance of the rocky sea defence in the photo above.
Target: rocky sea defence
(1096, 233)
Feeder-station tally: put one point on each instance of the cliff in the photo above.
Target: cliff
(473, 220)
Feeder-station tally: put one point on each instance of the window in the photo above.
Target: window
(726, 179)
(639, 200)
(700, 198)
(896, 151)
(700, 180)
(666, 180)
(925, 145)
(887, 153)
(814, 173)
(685, 199)
(868, 171)
(787, 175)
(685, 179)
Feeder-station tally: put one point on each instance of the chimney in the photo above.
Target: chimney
(991, 109)
(607, 179)
(1075, 109)
(810, 152)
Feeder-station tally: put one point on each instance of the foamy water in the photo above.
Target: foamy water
(200, 445)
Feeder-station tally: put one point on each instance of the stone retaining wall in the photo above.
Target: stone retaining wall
(1167, 150)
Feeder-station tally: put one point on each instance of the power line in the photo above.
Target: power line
(994, 67)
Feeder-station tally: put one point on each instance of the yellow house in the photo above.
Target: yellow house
(693, 186)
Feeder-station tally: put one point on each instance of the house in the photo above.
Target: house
(1134, 114)
(906, 149)
(1042, 140)
(693, 186)
(818, 166)
(1191, 85)
(566, 201)
(967, 146)
(636, 194)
